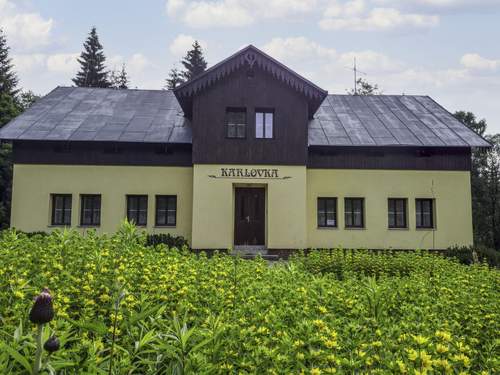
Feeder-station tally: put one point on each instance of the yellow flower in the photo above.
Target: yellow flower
(300, 356)
(420, 340)
(443, 335)
(330, 344)
(426, 360)
(412, 354)
(402, 367)
(440, 348)
(322, 309)
(315, 371)
(462, 358)
(19, 294)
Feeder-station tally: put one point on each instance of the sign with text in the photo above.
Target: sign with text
(250, 173)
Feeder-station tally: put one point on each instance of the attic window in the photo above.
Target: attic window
(264, 122)
(236, 122)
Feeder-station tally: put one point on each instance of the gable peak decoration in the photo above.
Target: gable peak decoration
(249, 57)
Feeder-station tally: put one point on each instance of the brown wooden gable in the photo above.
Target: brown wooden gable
(250, 57)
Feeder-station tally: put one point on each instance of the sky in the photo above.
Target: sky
(447, 49)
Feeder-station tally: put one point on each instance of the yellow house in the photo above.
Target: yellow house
(247, 155)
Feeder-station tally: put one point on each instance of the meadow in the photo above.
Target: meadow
(122, 307)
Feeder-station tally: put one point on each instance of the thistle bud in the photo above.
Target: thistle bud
(42, 311)
(52, 344)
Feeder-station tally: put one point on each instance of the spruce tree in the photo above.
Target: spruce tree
(8, 78)
(174, 79)
(92, 69)
(194, 62)
(119, 79)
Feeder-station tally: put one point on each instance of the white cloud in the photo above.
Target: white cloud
(63, 63)
(174, 6)
(235, 13)
(135, 64)
(182, 43)
(24, 30)
(297, 48)
(27, 62)
(477, 62)
(138, 63)
(441, 5)
(347, 9)
(227, 13)
(380, 19)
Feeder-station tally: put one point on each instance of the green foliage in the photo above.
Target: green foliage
(168, 240)
(469, 255)
(174, 79)
(119, 79)
(485, 184)
(194, 62)
(180, 313)
(92, 72)
(363, 87)
(8, 78)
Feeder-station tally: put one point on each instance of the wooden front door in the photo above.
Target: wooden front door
(249, 216)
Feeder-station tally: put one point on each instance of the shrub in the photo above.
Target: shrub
(168, 240)
(465, 255)
(125, 308)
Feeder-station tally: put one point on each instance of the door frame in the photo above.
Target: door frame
(249, 186)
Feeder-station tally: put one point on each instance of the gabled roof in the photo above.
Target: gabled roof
(96, 114)
(249, 56)
(388, 120)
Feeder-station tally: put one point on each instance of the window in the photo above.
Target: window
(90, 209)
(397, 213)
(264, 124)
(166, 210)
(327, 212)
(236, 122)
(61, 209)
(425, 213)
(354, 212)
(137, 209)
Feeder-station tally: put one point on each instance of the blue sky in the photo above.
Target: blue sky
(447, 49)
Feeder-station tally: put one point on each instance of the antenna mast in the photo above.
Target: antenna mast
(356, 71)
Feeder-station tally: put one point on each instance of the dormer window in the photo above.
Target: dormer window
(236, 122)
(264, 123)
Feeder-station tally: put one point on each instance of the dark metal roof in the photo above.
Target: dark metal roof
(250, 57)
(155, 116)
(95, 114)
(388, 120)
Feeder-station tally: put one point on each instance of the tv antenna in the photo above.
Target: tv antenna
(356, 72)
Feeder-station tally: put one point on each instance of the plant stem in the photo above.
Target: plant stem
(38, 354)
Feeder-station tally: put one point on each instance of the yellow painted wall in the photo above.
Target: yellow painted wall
(453, 212)
(290, 203)
(213, 203)
(33, 184)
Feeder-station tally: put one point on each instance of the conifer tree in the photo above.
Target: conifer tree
(119, 79)
(194, 62)
(92, 69)
(174, 79)
(8, 78)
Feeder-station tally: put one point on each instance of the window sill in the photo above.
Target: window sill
(354, 228)
(165, 226)
(89, 226)
(403, 228)
(426, 229)
(58, 225)
(327, 228)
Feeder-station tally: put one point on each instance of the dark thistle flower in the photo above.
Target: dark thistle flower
(42, 311)
(52, 344)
